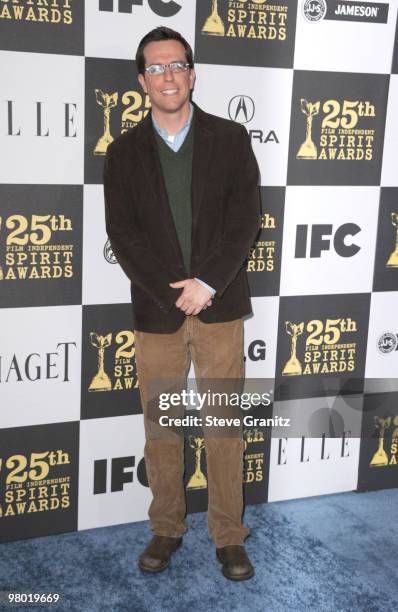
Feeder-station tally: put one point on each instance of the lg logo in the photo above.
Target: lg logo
(319, 243)
(163, 8)
(256, 350)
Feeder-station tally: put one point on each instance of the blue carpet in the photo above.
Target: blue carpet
(334, 553)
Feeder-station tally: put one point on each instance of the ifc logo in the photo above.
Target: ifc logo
(163, 8)
(314, 10)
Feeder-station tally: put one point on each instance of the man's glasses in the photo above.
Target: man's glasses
(175, 67)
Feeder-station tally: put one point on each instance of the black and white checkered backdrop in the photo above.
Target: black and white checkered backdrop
(315, 83)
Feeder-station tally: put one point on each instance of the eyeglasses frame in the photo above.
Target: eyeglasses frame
(186, 64)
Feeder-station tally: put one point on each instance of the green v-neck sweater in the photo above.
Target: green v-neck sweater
(177, 174)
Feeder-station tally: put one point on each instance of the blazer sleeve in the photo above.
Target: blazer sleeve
(134, 256)
(242, 220)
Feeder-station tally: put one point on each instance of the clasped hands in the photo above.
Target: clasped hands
(194, 298)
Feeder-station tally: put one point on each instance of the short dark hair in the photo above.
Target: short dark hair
(158, 34)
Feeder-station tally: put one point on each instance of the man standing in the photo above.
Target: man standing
(182, 210)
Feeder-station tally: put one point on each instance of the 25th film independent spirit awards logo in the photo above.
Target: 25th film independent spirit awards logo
(110, 379)
(392, 261)
(386, 455)
(263, 262)
(378, 464)
(111, 109)
(136, 107)
(337, 128)
(256, 438)
(38, 480)
(46, 26)
(245, 32)
(255, 461)
(53, 11)
(40, 245)
(321, 339)
(386, 259)
(114, 104)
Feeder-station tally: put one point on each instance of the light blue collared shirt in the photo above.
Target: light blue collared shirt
(175, 141)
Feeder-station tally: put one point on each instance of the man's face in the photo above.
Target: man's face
(168, 92)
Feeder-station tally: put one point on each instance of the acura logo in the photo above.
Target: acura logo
(241, 109)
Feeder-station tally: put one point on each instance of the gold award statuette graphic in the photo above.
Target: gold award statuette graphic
(393, 259)
(101, 380)
(293, 365)
(308, 149)
(106, 101)
(380, 457)
(214, 25)
(198, 479)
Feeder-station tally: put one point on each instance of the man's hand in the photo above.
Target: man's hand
(194, 298)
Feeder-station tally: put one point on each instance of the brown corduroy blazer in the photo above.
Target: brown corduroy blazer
(226, 214)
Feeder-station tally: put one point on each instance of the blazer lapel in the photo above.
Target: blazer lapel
(202, 154)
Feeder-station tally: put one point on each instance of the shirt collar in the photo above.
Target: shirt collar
(164, 132)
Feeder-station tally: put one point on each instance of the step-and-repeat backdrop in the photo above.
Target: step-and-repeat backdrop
(315, 83)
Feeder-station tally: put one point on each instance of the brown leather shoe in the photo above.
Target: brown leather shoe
(156, 556)
(236, 564)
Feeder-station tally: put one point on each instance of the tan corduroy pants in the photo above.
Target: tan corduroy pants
(216, 350)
